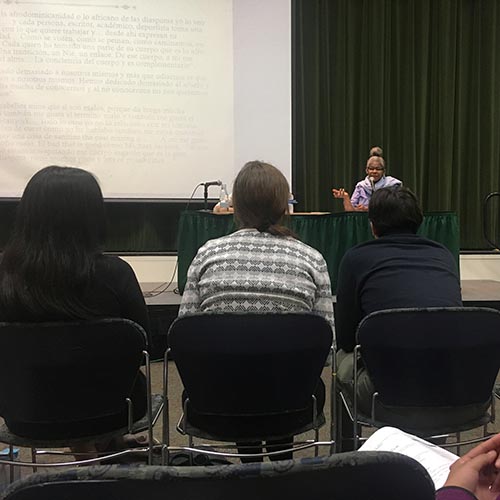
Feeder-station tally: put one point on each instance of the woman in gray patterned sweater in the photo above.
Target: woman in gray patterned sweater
(261, 267)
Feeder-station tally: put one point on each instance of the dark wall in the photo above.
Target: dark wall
(142, 226)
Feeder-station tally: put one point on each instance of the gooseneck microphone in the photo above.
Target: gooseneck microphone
(372, 182)
(212, 183)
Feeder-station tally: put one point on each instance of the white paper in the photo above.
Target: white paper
(436, 460)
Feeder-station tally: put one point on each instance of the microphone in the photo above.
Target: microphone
(372, 182)
(212, 183)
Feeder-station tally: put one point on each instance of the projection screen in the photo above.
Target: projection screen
(153, 96)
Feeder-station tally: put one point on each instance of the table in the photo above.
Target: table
(331, 234)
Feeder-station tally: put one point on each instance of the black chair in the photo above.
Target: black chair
(433, 370)
(250, 377)
(345, 476)
(67, 383)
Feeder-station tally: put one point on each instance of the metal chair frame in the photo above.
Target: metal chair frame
(211, 448)
(357, 437)
(102, 457)
(373, 422)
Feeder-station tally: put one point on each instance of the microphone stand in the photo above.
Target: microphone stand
(206, 185)
(205, 196)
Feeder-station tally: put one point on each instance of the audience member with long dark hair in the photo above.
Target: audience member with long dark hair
(261, 267)
(53, 269)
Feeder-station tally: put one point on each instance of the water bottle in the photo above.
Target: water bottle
(223, 197)
(291, 202)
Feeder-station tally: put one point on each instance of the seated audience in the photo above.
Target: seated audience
(374, 180)
(475, 476)
(53, 268)
(261, 267)
(397, 269)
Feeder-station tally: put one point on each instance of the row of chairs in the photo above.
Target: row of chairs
(434, 370)
(61, 381)
(239, 368)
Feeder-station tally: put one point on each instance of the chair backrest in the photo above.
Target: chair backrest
(68, 371)
(250, 364)
(345, 476)
(432, 357)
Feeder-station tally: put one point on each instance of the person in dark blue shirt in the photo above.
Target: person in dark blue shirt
(398, 269)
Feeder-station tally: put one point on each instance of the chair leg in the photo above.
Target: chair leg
(11, 467)
(190, 437)
(344, 427)
(278, 445)
(33, 458)
(355, 435)
(316, 438)
(149, 406)
(190, 444)
(347, 430)
(166, 421)
(333, 402)
(338, 424)
(315, 423)
(493, 409)
(254, 447)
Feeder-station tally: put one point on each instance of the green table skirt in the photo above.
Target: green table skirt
(331, 234)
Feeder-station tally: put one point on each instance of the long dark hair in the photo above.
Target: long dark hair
(260, 198)
(50, 258)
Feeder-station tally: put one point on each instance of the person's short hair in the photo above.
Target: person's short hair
(394, 210)
(260, 197)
